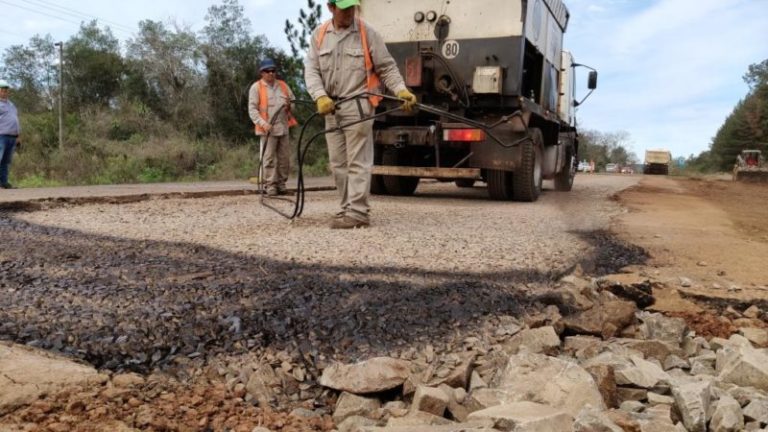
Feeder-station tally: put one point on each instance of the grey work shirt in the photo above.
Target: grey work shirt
(9, 118)
(337, 68)
(275, 99)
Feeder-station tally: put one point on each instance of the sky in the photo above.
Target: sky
(670, 70)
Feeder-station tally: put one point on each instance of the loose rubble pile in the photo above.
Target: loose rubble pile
(608, 367)
(585, 360)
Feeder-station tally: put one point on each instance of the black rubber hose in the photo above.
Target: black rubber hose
(302, 149)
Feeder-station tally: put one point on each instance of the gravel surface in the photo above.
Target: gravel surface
(142, 285)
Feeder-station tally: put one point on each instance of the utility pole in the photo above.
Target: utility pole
(61, 94)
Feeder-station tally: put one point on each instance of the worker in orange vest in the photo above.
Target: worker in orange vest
(347, 57)
(269, 106)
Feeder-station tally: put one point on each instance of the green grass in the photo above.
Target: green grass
(37, 181)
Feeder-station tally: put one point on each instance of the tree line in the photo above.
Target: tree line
(746, 127)
(169, 103)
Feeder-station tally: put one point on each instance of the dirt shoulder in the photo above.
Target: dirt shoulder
(706, 237)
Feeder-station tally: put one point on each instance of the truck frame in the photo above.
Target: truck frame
(497, 62)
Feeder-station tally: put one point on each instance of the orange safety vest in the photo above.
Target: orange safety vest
(373, 81)
(264, 105)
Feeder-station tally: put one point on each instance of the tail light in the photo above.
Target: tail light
(466, 135)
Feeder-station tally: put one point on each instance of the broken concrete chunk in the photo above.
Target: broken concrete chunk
(745, 367)
(674, 361)
(660, 327)
(657, 399)
(693, 401)
(371, 376)
(727, 416)
(605, 379)
(752, 312)
(29, 373)
(651, 349)
(538, 340)
(757, 410)
(624, 394)
(592, 420)
(606, 319)
(355, 423)
(418, 418)
(431, 400)
(526, 417)
(350, 405)
(643, 374)
(558, 383)
(757, 336)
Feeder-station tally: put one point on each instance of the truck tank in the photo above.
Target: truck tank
(498, 62)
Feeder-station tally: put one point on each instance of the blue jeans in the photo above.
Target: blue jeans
(7, 145)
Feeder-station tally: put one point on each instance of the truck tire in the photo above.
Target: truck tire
(526, 179)
(377, 181)
(499, 185)
(398, 185)
(465, 183)
(564, 179)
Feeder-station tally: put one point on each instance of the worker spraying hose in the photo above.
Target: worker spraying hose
(347, 57)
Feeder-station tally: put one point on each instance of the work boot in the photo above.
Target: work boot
(272, 192)
(347, 222)
(7, 186)
(284, 191)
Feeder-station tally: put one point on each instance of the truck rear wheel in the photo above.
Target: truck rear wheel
(526, 179)
(500, 185)
(465, 183)
(564, 179)
(398, 185)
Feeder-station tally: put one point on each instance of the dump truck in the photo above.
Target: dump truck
(750, 167)
(657, 162)
(499, 69)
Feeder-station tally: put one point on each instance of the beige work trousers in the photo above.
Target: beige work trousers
(350, 154)
(277, 161)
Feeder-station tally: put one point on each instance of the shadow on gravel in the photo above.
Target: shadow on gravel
(137, 305)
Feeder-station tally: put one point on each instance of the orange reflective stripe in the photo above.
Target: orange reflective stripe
(291, 120)
(322, 32)
(373, 83)
(373, 80)
(264, 105)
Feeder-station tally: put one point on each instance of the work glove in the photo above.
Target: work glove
(408, 98)
(325, 105)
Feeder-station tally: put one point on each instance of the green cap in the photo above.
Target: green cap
(344, 4)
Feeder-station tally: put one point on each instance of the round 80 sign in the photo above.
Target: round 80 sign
(450, 49)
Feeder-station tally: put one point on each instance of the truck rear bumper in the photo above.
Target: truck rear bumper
(428, 172)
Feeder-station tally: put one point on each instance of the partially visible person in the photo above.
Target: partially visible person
(269, 106)
(346, 58)
(9, 133)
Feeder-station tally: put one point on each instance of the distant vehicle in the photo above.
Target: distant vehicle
(612, 168)
(627, 170)
(657, 162)
(750, 167)
(585, 166)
